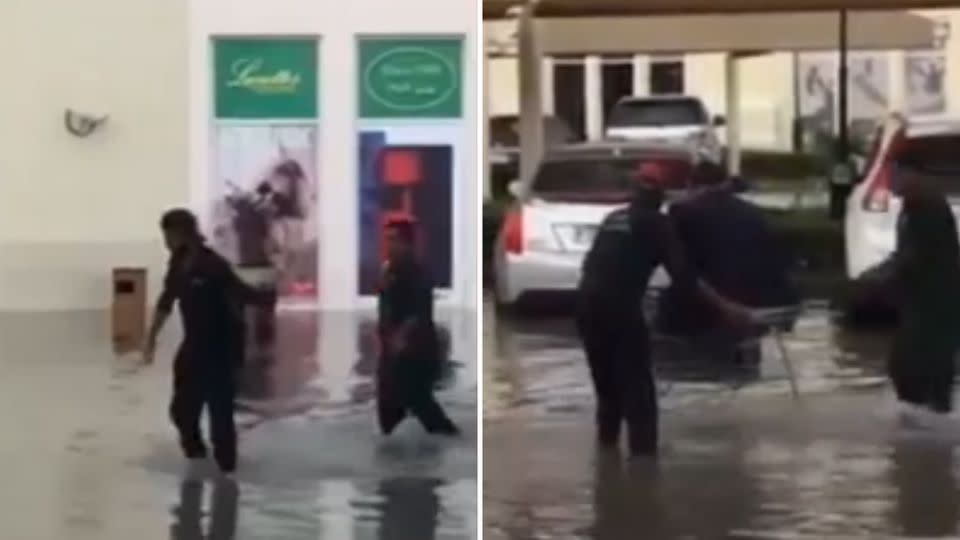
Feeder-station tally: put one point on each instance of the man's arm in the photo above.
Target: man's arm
(160, 315)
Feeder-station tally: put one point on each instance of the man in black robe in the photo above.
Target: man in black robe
(409, 359)
(924, 270)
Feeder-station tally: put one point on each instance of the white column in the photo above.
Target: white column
(546, 74)
(896, 60)
(641, 75)
(593, 97)
(531, 92)
(732, 79)
(487, 191)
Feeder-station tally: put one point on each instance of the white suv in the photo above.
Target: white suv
(667, 120)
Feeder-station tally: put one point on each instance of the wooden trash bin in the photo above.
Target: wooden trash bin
(129, 313)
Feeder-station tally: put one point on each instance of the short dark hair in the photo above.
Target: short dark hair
(180, 220)
(405, 229)
(707, 173)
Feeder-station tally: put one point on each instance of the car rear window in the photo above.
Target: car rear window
(658, 113)
(601, 179)
(936, 155)
(505, 131)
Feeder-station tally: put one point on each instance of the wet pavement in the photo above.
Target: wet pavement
(741, 458)
(89, 452)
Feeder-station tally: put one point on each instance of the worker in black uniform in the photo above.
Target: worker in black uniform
(409, 359)
(211, 299)
(630, 244)
(925, 272)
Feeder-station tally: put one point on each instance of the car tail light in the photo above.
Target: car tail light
(513, 231)
(880, 179)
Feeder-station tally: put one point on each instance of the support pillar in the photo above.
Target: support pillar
(732, 80)
(593, 97)
(487, 169)
(530, 69)
(641, 75)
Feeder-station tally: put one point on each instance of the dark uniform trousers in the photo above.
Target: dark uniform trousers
(617, 346)
(205, 377)
(405, 385)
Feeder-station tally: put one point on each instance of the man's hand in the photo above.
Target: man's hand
(738, 315)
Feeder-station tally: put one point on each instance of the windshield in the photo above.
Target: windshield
(936, 156)
(600, 179)
(657, 113)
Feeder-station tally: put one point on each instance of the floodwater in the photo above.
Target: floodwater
(741, 458)
(89, 453)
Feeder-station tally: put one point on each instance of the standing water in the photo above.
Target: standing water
(740, 458)
(90, 453)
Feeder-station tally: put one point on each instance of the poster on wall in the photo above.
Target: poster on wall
(411, 107)
(817, 93)
(263, 191)
(264, 202)
(925, 76)
(869, 94)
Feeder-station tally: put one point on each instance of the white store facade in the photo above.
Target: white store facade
(181, 134)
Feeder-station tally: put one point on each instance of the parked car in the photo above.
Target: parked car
(545, 235)
(505, 146)
(666, 119)
(874, 206)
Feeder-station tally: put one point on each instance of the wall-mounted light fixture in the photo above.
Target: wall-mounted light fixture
(81, 124)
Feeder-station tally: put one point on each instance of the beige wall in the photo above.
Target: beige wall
(71, 208)
(766, 84)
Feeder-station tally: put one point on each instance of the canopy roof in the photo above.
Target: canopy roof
(750, 32)
(494, 9)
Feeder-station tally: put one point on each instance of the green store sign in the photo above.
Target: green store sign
(265, 79)
(410, 78)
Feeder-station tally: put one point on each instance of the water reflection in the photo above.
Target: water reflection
(223, 512)
(410, 508)
(107, 465)
(752, 463)
(928, 500)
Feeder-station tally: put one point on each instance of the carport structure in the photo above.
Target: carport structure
(737, 27)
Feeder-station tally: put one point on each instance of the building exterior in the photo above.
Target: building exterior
(342, 116)
(778, 89)
(71, 208)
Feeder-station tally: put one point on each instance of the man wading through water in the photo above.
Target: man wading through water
(925, 271)
(409, 358)
(211, 299)
(630, 244)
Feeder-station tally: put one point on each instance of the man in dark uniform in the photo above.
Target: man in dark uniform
(409, 359)
(729, 244)
(925, 271)
(630, 244)
(211, 299)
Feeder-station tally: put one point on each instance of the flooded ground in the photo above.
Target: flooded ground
(89, 453)
(741, 458)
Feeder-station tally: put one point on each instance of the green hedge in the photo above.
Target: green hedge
(758, 164)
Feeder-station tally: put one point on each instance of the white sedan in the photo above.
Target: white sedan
(546, 234)
(873, 206)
